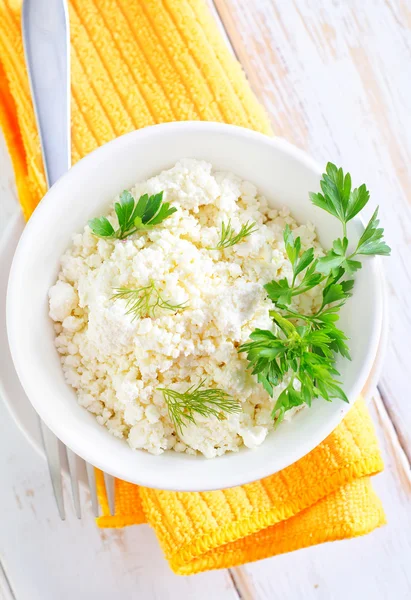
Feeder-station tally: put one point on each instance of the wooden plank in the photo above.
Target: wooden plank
(374, 566)
(45, 558)
(330, 78)
(310, 65)
(8, 194)
(6, 591)
(333, 78)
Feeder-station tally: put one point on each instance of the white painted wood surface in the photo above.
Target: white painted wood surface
(336, 80)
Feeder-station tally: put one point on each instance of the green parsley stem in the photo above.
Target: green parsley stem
(301, 290)
(301, 347)
(293, 314)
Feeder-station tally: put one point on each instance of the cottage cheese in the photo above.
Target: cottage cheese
(116, 365)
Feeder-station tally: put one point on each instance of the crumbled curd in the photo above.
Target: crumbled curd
(116, 365)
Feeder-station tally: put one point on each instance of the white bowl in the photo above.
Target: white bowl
(280, 171)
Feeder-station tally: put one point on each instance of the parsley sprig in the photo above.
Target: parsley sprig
(370, 243)
(133, 216)
(282, 291)
(183, 406)
(144, 301)
(228, 237)
(301, 351)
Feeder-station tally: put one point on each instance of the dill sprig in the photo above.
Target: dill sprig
(228, 237)
(182, 406)
(143, 302)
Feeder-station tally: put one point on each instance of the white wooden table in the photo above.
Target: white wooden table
(336, 79)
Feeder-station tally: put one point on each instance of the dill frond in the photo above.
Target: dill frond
(183, 406)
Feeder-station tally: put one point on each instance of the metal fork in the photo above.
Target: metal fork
(46, 42)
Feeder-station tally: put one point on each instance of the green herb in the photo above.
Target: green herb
(302, 351)
(282, 291)
(370, 243)
(337, 197)
(228, 237)
(133, 216)
(183, 406)
(143, 302)
(339, 200)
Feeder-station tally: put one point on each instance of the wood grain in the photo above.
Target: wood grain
(335, 78)
(331, 76)
(375, 566)
(8, 194)
(6, 591)
(48, 559)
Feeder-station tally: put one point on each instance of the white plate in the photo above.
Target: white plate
(281, 172)
(11, 390)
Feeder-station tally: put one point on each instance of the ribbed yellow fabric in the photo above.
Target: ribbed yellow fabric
(325, 496)
(135, 63)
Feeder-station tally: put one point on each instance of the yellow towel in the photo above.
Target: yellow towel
(134, 63)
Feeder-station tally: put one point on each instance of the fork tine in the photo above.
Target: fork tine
(92, 487)
(72, 465)
(109, 483)
(51, 448)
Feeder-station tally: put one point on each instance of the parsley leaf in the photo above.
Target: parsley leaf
(357, 200)
(371, 242)
(311, 279)
(336, 258)
(300, 352)
(124, 211)
(101, 227)
(281, 292)
(337, 197)
(340, 201)
(133, 216)
(293, 249)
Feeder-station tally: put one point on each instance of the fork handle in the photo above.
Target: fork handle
(47, 52)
